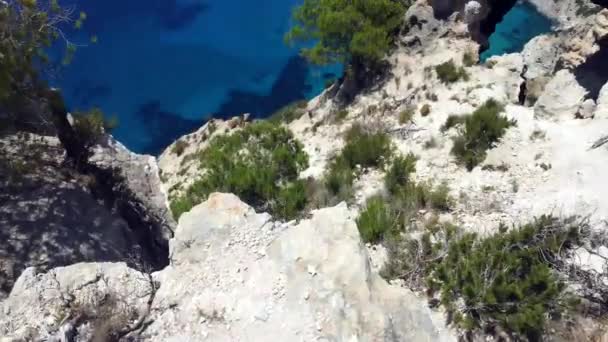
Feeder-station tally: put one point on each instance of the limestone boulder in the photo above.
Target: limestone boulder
(540, 56)
(235, 275)
(561, 98)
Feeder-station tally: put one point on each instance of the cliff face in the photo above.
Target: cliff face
(230, 273)
(57, 210)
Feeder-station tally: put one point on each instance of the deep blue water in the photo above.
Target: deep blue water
(163, 67)
(522, 23)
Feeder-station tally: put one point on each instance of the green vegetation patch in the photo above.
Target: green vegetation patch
(504, 280)
(90, 126)
(363, 148)
(482, 130)
(448, 72)
(385, 217)
(260, 164)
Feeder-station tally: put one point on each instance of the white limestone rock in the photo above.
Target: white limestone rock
(540, 56)
(587, 109)
(601, 111)
(473, 12)
(44, 307)
(312, 281)
(561, 98)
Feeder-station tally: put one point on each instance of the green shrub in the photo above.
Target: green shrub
(339, 179)
(505, 280)
(179, 147)
(482, 130)
(90, 126)
(289, 113)
(366, 148)
(425, 110)
(439, 197)
(259, 163)
(377, 219)
(448, 72)
(452, 121)
(291, 199)
(406, 116)
(398, 174)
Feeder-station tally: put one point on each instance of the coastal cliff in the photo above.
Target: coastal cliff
(229, 271)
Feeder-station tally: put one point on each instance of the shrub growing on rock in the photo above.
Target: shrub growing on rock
(339, 179)
(453, 120)
(448, 72)
(366, 148)
(405, 116)
(377, 219)
(259, 163)
(481, 131)
(506, 280)
(90, 126)
(425, 110)
(398, 174)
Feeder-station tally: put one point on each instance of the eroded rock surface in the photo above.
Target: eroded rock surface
(236, 275)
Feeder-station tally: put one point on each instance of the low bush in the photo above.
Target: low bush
(376, 219)
(363, 148)
(90, 126)
(425, 110)
(452, 121)
(439, 197)
(366, 148)
(398, 175)
(339, 179)
(406, 116)
(506, 281)
(481, 131)
(259, 163)
(448, 72)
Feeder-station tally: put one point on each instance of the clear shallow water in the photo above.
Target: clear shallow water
(522, 23)
(164, 67)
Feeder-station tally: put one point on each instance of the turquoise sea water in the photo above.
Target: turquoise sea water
(163, 67)
(522, 23)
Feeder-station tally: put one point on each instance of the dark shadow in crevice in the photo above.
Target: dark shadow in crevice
(593, 74)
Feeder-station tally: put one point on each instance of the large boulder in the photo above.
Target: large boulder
(540, 56)
(237, 275)
(561, 98)
(257, 278)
